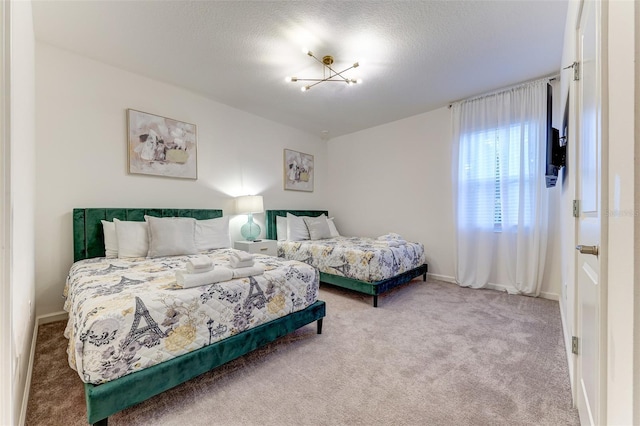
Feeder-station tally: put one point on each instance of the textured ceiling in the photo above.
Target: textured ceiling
(415, 56)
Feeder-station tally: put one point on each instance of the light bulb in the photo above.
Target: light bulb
(304, 88)
(359, 81)
(306, 51)
(287, 79)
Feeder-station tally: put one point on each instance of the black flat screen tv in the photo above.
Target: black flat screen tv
(555, 152)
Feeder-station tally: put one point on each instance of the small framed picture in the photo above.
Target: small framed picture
(298, 171)
(161, 146)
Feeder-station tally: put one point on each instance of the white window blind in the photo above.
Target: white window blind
(496, 169)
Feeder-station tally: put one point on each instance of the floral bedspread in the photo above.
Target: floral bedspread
(129, 314)
(365, 259)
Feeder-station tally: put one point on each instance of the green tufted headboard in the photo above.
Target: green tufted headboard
(270, 219)
(88, 238)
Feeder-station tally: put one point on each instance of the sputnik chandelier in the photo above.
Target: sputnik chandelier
(329, 74)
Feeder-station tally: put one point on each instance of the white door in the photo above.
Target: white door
(590, 287)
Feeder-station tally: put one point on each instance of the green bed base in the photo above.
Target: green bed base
(375, 288)
(111, 397)
(108, 398)
(371, 288)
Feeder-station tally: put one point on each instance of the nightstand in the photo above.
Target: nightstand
(268, 247)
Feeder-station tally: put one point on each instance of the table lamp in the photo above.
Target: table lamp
(249, 204)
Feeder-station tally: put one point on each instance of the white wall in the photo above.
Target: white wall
(397, 178)
(552, 278)
(568, 186)
(82, 156)
(19, 199)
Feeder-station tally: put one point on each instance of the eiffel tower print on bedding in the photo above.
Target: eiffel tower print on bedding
(128, 314)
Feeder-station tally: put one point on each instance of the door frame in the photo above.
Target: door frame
(601, 19)
(7, 364)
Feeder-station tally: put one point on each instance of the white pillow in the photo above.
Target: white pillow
(110, 239)
(133, 238)
(212, 233)
(171, 236)
(296, 228)
(332, 228)
(318, 227)
(281, 228)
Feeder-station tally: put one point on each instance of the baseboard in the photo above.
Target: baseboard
(439, 277)
(567, 347)
(43, 319)
(492, 286)
(27, 384)
(56, 316)
(551, 296)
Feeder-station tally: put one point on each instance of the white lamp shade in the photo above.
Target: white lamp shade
(249, 204)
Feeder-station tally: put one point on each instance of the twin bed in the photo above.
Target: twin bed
(133, 333)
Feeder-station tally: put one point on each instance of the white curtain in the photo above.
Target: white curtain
(500, 198)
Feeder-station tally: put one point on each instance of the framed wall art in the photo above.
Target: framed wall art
(298, 171)
(161, 146)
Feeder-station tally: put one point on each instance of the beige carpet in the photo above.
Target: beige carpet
(431, 354)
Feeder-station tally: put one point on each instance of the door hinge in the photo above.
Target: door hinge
(574, 345)
(576, 208)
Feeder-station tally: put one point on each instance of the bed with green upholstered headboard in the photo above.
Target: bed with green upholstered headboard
(88, 238)
(107, 398)
(329, 275)
(271, 217)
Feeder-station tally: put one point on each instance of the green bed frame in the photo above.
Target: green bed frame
(371, 288)
(108, 398)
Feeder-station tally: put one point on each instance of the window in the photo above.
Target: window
(497, 165)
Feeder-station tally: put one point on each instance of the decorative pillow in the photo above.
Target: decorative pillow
(171, 236)
(281, 228)
(212, 233)
(133, 238)
(110, 239)
(318, 227)
(332, 228)
(296, 228)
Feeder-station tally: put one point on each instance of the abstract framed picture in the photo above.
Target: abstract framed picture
(161, 146)
(298, 171)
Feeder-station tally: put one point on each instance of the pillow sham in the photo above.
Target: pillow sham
(133, 238)
(110, 239)
(212, 233)
(171, 236)
(296, 228)
(318, 227)
(281, 228)
(332, 228)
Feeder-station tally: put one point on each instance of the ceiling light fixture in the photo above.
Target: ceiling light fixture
(329, 74)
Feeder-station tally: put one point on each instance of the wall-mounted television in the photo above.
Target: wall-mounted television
(556, 153)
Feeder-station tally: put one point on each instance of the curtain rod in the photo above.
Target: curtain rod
(506, 89)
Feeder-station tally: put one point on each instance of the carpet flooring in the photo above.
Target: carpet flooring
(432, 353)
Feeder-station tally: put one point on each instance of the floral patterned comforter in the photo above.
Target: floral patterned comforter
(364, 259)
(129, 314)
